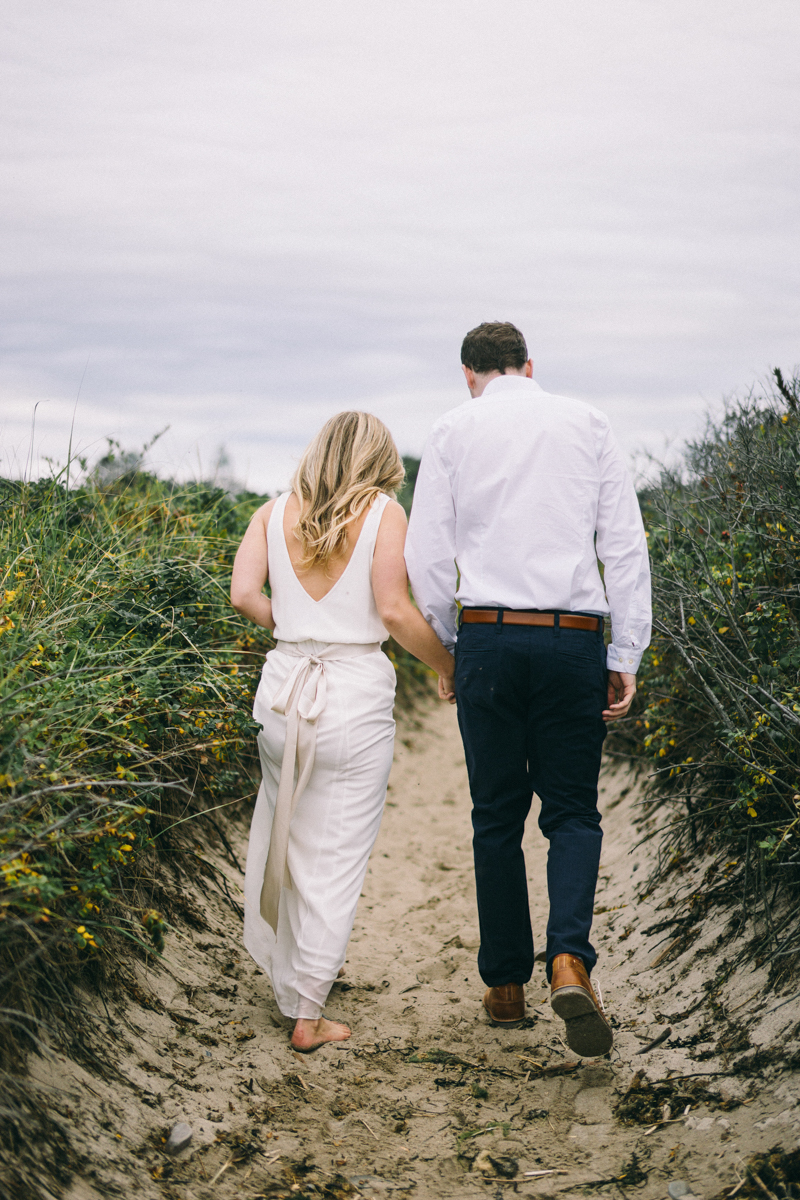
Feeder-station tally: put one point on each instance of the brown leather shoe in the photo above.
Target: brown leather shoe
(572, 998)
(505, 1005)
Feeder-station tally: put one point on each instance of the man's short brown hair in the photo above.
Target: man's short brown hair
(494, 346)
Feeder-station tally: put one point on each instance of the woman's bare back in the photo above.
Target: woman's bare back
(318, 580)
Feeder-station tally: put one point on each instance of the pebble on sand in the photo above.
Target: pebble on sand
(179, 1138)
(678, 1190)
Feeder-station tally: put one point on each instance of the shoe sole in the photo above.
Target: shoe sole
(588, 1032)
(515, 1024)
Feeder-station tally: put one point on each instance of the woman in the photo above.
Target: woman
(332, 550)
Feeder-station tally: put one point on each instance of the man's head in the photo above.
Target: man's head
(491, 349)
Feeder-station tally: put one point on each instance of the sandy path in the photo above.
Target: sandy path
(427, 1095)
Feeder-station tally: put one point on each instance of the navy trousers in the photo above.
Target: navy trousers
(530, 701)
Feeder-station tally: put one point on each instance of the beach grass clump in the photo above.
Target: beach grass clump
(126, 730)
(125, 719)
(720, 720)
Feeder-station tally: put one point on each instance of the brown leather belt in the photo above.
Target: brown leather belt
(512, 616)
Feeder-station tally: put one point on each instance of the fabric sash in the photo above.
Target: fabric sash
(301, 698)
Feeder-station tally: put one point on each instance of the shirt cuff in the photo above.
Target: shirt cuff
(626, 661)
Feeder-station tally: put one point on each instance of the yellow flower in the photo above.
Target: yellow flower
(9, 596)
(723, 628)
(751, 812)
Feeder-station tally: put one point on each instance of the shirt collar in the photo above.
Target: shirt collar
(507, 383)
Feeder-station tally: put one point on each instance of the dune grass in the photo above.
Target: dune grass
(124, 718)
(126, 687)
(719, 718)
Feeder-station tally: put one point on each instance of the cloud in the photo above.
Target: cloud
(245, 217)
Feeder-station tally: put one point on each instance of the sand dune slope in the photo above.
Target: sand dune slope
(427, 1099)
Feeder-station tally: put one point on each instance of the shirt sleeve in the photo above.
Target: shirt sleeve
(622, 549)
(431, 546)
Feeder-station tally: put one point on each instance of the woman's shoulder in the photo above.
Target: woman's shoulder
(392, 528)
(393, 511)
(264, 512)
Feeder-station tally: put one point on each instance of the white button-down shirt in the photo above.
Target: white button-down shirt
(519, 494)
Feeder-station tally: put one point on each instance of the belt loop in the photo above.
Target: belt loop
(499, 625)
(556, 625)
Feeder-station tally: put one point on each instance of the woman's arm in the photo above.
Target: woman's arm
(404, 622)
(251, 571)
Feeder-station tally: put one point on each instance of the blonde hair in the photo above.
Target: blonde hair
(351, 460)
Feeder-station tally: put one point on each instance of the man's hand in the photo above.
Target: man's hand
(621, 690)
(447, 688)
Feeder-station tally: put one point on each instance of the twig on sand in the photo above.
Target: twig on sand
(667, 1120)
(550, 1171)
(369, 1127)
(304, 1083)
(763, 1186)
(660, 1124)
(222, 1169)
(534, 1062)
(662, 1037)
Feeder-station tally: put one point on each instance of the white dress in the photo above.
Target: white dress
(328, 690)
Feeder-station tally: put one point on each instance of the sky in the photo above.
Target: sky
(235, 220)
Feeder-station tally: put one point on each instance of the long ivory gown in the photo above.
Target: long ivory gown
(325, 703)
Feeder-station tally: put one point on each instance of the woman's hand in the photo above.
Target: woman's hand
(447, 687)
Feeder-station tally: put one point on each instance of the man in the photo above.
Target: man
(519, 494)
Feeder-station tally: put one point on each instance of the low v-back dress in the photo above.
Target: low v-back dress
(325, 704)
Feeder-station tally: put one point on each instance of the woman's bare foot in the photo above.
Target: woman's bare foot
(310, 1035)
(342, 973)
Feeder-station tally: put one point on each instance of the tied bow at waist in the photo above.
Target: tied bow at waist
(302, 698)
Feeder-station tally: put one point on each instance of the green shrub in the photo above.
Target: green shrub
(721, 680)
(126, 688)
(125, 714)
